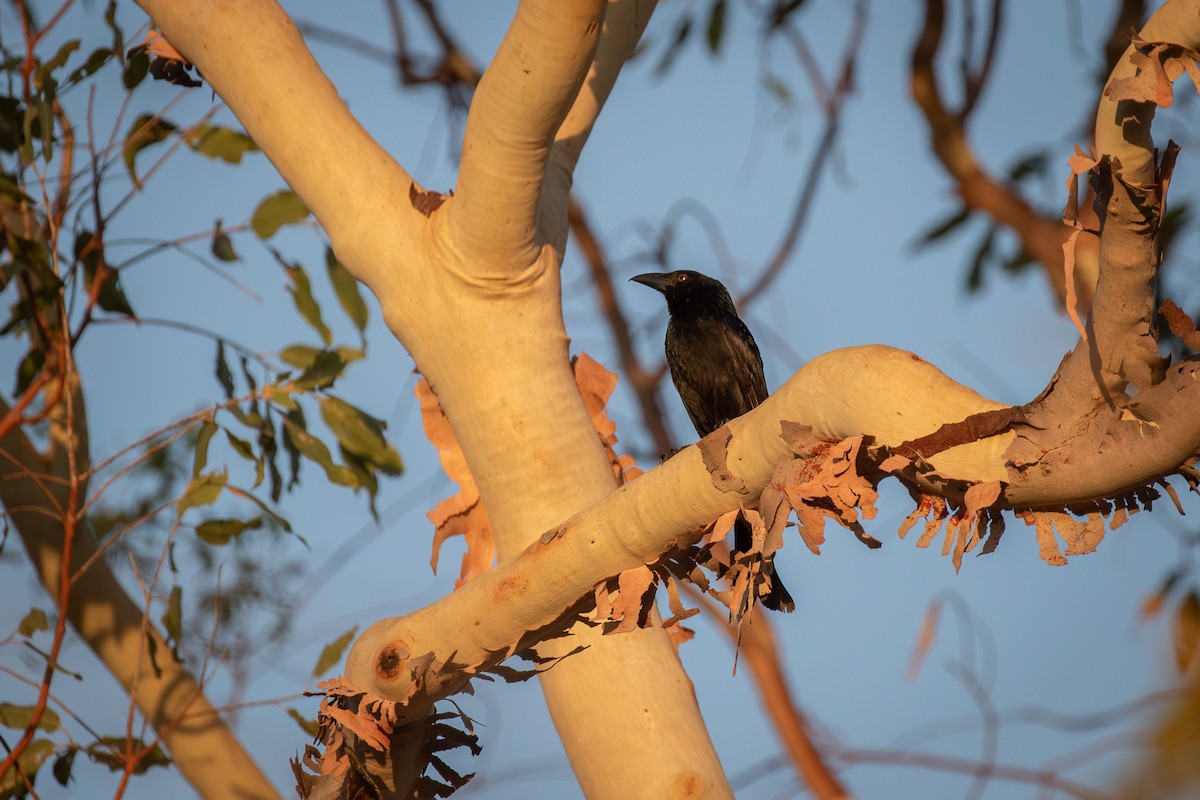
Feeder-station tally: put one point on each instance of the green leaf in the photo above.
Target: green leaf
(32, 255)
(112, 296)
(278, 520)
(151, 642)
(321, 367)
(110, 20)
(200, 459)
(346, 288)
(217, 141)
(89, 249)
(38, 124)
(360, 434)
(309, 726)
(277, 210)
(222, 245)
(11, 118)
(62, 767)
(349, 355)
(33, 622)
(110, 751)
(95, 61)
(315, 450)
(364, 473)
(172, 618)
(983, 254)
(145, 131)
(220, 531)
(25, 149)
(282, 397)
(52, 663)
(28, 369)
(43, 78)
(1034, 164)
(202, 490)
(222, 371)
(251, 418)
(331, 654)
(716, 26)
(243, 447)
(941, 228)
(135, 69)
(10, 189)
(302, 296)
(673, 49)
(248, 375)
(301, 356)
(60, 58)
(268, 445)
(246, 450)
(327, 368)
(12, 782)
(19, 717)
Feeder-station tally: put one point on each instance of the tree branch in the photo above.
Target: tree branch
(1086, 402)
(255, 59)
(644, 383)
(624, 24)
(1040, 236)
(837, 395)
(1123, 127)
(756, 643)
(832, 103)
(521, 101)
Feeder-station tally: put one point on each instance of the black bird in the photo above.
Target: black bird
(717, 370)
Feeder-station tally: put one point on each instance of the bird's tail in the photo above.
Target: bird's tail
(778, 598)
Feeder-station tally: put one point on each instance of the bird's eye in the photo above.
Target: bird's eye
(682, 277)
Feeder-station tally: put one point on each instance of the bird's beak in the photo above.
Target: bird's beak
(655, 280)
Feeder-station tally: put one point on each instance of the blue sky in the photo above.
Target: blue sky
(1068, 639)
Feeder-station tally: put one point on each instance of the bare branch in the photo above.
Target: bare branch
(974, 81)
(644, 383)
(820, 157)
(1040, 236)
(756, 642)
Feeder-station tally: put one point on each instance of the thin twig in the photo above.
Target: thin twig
(820, 157)
(644, 383)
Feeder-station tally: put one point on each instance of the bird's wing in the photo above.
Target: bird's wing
(746, 363)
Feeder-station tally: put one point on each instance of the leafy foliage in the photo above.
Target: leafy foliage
(194, 505)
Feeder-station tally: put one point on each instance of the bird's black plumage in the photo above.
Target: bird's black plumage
(716, 368)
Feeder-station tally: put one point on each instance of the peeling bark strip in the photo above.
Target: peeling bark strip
(1159, 64)
(1180, 324)
(463, 514)
(972, 429)
(423, 201)
(714, 449)
(371, 752)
